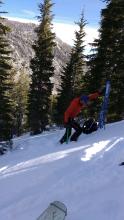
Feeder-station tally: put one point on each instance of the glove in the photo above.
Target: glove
(101, 91)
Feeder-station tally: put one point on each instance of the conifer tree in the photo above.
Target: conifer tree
(19, 96)
(107, 62)
(42, 69)
(78, 58)
(5, 83)
(72, 76)
(66, 92)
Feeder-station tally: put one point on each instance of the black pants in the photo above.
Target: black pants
(78, 130)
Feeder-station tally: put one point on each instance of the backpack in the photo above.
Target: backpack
(89, 126)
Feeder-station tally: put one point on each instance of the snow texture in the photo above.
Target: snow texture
(84, 175)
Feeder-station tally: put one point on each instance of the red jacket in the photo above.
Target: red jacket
(75, 107)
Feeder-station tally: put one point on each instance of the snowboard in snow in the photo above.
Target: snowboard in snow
(55, 211)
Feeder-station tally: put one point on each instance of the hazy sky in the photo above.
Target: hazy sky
(66, 12)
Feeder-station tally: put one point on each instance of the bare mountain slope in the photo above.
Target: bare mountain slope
(21, 38)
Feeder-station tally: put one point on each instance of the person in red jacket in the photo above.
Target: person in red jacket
(76, 105)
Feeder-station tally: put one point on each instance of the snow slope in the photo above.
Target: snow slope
(85, 176)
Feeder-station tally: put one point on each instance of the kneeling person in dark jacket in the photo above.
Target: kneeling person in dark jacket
(89, 126)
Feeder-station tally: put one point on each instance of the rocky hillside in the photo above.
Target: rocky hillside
(21, 38)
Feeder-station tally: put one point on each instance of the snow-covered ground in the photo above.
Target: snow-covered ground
(85, 176)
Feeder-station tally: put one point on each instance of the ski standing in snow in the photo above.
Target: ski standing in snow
(104, 108)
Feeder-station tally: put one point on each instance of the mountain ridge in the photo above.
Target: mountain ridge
(21, 38)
